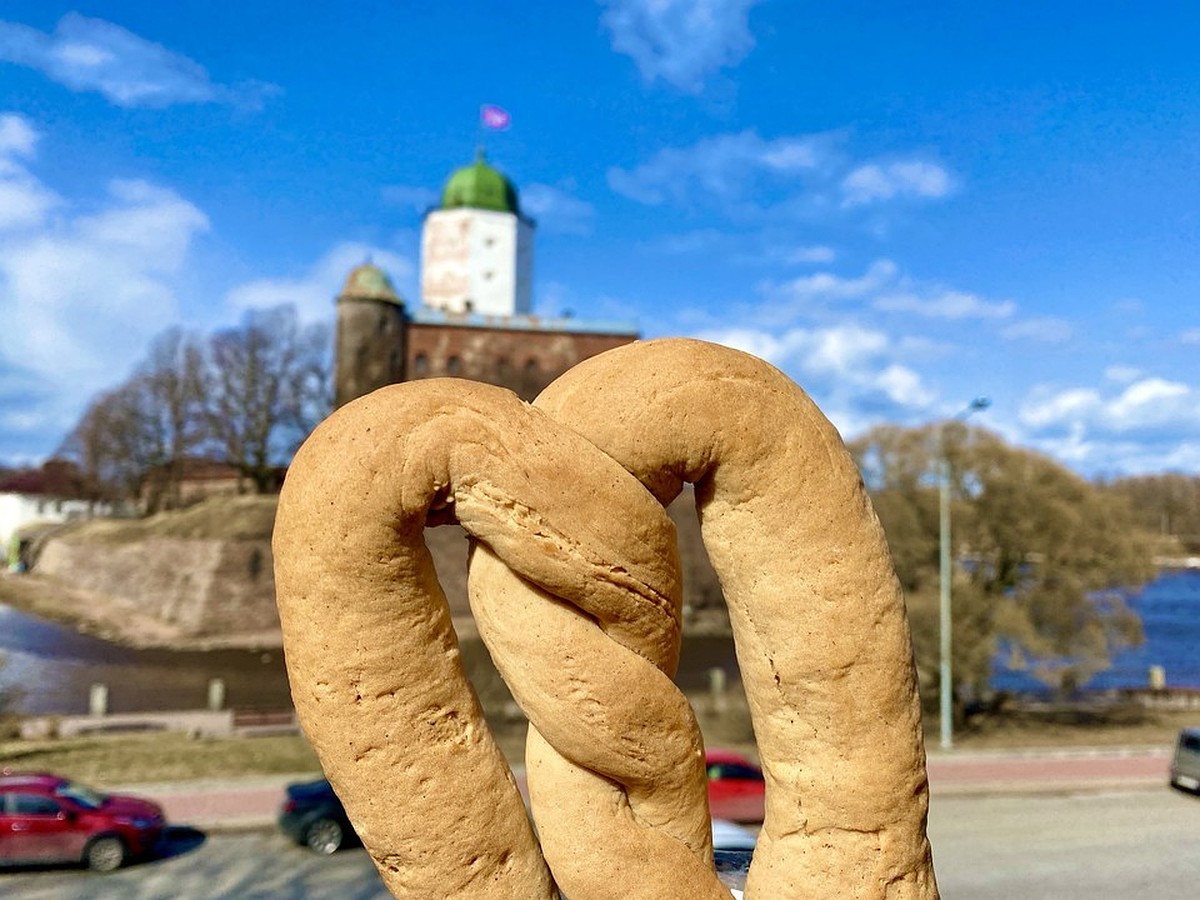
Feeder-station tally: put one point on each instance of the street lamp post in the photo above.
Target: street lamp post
(946, 692)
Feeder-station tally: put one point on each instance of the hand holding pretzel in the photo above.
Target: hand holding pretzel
(574, 582)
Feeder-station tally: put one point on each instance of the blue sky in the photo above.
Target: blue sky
(904, 206)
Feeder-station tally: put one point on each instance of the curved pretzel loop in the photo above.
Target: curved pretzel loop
(575, 586)
(817, 613)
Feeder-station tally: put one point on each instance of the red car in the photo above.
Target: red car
(48, 819)
(736, 790)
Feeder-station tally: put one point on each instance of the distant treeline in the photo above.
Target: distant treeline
(243, 397)
(1042, 559)
(1167, 505)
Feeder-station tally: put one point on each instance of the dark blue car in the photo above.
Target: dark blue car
(313, 815)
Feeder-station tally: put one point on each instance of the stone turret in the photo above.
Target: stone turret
(370, 334)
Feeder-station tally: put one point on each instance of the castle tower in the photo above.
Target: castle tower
(476, 318)
(370, 343)
(477, 247)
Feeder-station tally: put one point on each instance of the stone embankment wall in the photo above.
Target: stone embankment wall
(200, 587)
(206, 574)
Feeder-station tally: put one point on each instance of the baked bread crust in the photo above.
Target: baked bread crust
(817, 613)
(574, 582)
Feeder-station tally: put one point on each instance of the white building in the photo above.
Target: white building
(40, 497)
(477, 246)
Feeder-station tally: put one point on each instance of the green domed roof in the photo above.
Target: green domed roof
(369, 282)
(479, 186)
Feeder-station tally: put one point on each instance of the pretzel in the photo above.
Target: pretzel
(575, 586)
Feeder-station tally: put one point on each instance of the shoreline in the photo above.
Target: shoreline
(113, 620)
(1174, 563)
(119, 622)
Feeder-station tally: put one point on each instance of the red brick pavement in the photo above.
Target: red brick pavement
(1047, 770)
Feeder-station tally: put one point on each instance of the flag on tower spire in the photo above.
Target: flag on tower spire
(494, 118)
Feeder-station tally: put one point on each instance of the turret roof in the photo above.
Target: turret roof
(369, 282)
(480, 186)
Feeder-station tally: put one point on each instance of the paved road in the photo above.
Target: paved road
(1126, 845)
(255, 801)
(258, 864)
(1041, 846)
(1067, 826)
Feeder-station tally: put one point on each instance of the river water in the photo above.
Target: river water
(54, 666)
(1169, 608)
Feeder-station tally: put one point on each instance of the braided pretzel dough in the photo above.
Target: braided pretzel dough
(588, 635)
(817, 614)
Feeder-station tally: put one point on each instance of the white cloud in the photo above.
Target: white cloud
(680, 41)
(944, 304)
(728, 169)
(153, 222)
(877, 182)
(314, 291)
(86, 54)
(827, 285)
(17, 136)
(843, 350)
(1189, 337)
(904, 387)
(1149, 407)
(1122, 374)
(851, 372)
(24, 202)
(1045, 410)
(770, 347)
(1152, 402)
(784, 179)
(80, 298)
(813, 254)
(556, 210)
(1046, 329)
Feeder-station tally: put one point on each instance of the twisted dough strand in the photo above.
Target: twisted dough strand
(818, 617)
(376, 677)
(614, 759)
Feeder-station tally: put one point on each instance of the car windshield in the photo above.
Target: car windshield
(81, 794)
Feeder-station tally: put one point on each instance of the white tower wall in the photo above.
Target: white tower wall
(477, 260)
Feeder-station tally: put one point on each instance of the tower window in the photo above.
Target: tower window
(421, 365)
(454, 366)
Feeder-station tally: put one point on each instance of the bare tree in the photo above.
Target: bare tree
(172, 387)
(247, 395)
(1168, 505)
(135, 438)
(266, 387)
(113, 443)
